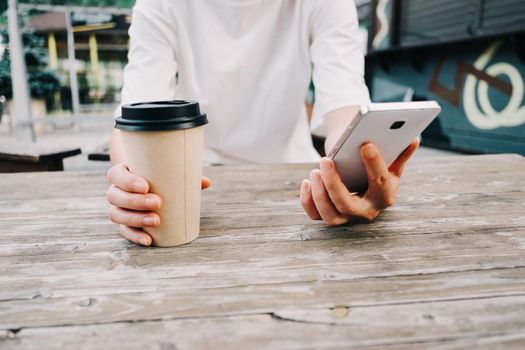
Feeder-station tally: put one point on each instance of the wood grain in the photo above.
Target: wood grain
(444, 268)
(482, 323)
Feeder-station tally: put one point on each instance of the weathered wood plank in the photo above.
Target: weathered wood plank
(485, 342)
(174, 297)
(21, 218)
(84, 224)
(94, 235)
(405, 326)
(439, 174)
(438, 252)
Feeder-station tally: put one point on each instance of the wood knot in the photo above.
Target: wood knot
(11, 333)
(339, 311)
(87, 302)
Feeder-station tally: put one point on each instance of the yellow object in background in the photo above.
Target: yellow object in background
(53, 63)
(52, 48)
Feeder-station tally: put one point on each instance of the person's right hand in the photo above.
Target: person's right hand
(132, 206)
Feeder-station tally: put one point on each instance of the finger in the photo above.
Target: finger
(135, 235)
(308, 202)
(375, 166)
(205, 183)
(134, 201)
(133, 218)
(373, 161)
(382, 186)
(399, 164)
(345, 202)
(120, 176)
(322, 201)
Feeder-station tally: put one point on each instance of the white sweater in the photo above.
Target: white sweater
(249, 64)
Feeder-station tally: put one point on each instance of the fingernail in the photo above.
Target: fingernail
(369, 151)
(140, 187)
(326, 164)
(304, 185)
(149, 221)
(152, 203)
(144, 241)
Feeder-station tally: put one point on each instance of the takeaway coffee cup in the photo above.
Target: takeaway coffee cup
(163, 143)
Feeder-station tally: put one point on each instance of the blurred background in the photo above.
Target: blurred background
(469, 55)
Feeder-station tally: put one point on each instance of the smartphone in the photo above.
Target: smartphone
(390, 126)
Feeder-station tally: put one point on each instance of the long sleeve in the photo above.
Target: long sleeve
(152, 65)
(337, 58)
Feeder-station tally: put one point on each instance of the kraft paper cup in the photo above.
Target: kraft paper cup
(163, 143)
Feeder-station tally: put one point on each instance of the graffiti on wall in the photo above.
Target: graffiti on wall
(383, 15)
(477, 105)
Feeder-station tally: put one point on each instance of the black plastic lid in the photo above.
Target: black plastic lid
(161, 115)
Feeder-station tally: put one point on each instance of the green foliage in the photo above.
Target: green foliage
(5, 77)
(43, 82)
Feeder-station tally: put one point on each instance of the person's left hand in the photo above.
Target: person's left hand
(325, 197)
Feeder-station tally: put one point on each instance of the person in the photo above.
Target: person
(250, 63)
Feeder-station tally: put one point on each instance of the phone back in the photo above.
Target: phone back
(391, 126)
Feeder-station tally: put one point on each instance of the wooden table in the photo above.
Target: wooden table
(444, 268)
(101, 153)
(24, 157)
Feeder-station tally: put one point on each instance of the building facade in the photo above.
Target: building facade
(101, 44)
